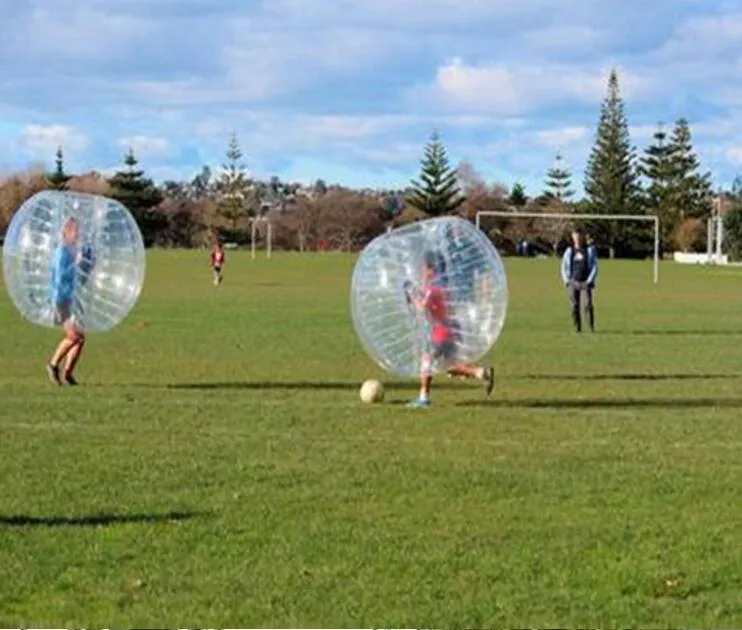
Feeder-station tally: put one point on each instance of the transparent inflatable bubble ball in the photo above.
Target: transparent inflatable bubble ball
(394, 270)
(75, 253)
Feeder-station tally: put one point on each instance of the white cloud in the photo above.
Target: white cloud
(562, 137)
(562, 36)
(145, 146)
(406, 13)
(514, 89)
(734, 155)
(40, 142)
(705, 36)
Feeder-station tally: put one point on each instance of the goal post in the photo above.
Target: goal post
(254, 237)
(585, 217)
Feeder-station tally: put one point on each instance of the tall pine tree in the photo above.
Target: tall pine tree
(436, 192)
(559, 181)
(693, 189)
(236, 193)
(660, 194)
(140, 195)
(58, 179)
(611, 178)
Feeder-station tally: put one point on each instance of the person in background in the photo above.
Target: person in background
(218, 259)
(579, 272)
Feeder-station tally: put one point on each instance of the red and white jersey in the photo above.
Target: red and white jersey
(217, 258)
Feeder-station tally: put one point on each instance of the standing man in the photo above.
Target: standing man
(579, 271)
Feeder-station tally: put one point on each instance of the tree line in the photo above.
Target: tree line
(665, 179)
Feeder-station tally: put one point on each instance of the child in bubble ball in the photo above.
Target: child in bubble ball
(441, 334)
(62, 294)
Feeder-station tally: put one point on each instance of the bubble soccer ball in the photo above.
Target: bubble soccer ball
(102, 270)
(372, 391)
(389, 273)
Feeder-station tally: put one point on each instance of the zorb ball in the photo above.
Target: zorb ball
(103, 246)
(389, 274)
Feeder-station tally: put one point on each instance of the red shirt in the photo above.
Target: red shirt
(217, 258)
(434, 302)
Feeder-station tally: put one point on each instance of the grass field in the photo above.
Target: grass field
(217, 470)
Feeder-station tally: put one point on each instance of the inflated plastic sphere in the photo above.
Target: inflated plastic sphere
(389, 272)
(83, 250)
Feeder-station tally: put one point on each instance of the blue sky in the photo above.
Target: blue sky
(349, 90)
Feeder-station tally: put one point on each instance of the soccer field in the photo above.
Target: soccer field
(216, 468)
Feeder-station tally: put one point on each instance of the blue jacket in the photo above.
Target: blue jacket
(62, 285)
(592, 265)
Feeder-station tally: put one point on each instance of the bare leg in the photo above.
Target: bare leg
(426, 382)
(62, 351)
(467, 371)
(73, 356)
(486, 374)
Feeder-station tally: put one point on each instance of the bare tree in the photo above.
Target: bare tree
(553, 230)
(16, 189)
(348, 220)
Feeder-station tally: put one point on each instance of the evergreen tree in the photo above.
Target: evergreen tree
(518, 197)
(436, 192)
(235, 192)
(693, 192)
(559, 181)
(58, 179)
(611, 178)
(660, 197)
(140, 195)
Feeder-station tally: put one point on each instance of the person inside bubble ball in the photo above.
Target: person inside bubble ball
(65, 263)
(441, 332)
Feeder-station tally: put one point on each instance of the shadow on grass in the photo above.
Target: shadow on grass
(607, 403)
(96, 520)
(315, 385)
(625, 377)
(700, 332)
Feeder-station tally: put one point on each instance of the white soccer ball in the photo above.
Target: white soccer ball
(372, 391)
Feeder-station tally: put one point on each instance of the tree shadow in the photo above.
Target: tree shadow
(97, 520)
(607, 403)
(625, 377)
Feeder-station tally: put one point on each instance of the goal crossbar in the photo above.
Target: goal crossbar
(586, 217)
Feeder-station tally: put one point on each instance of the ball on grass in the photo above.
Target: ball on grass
(372, 391)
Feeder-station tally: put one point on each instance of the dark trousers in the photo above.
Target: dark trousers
(576, 290)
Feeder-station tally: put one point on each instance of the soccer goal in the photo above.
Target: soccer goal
(586, 217)
(254, 236)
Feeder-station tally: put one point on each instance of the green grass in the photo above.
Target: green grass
(217, 470)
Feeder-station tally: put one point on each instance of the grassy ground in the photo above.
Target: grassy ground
(217, 470)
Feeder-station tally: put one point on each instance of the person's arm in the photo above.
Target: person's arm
(56, 276)
(565, 265)
(593, 268)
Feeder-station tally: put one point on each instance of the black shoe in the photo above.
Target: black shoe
(52, 371)
(70, 379)
(489, 381)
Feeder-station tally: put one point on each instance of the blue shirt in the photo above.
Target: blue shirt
(62, 285)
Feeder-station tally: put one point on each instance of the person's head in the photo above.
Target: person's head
(217, 245)
(70, 231)
(578, 238)
(430, 265)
